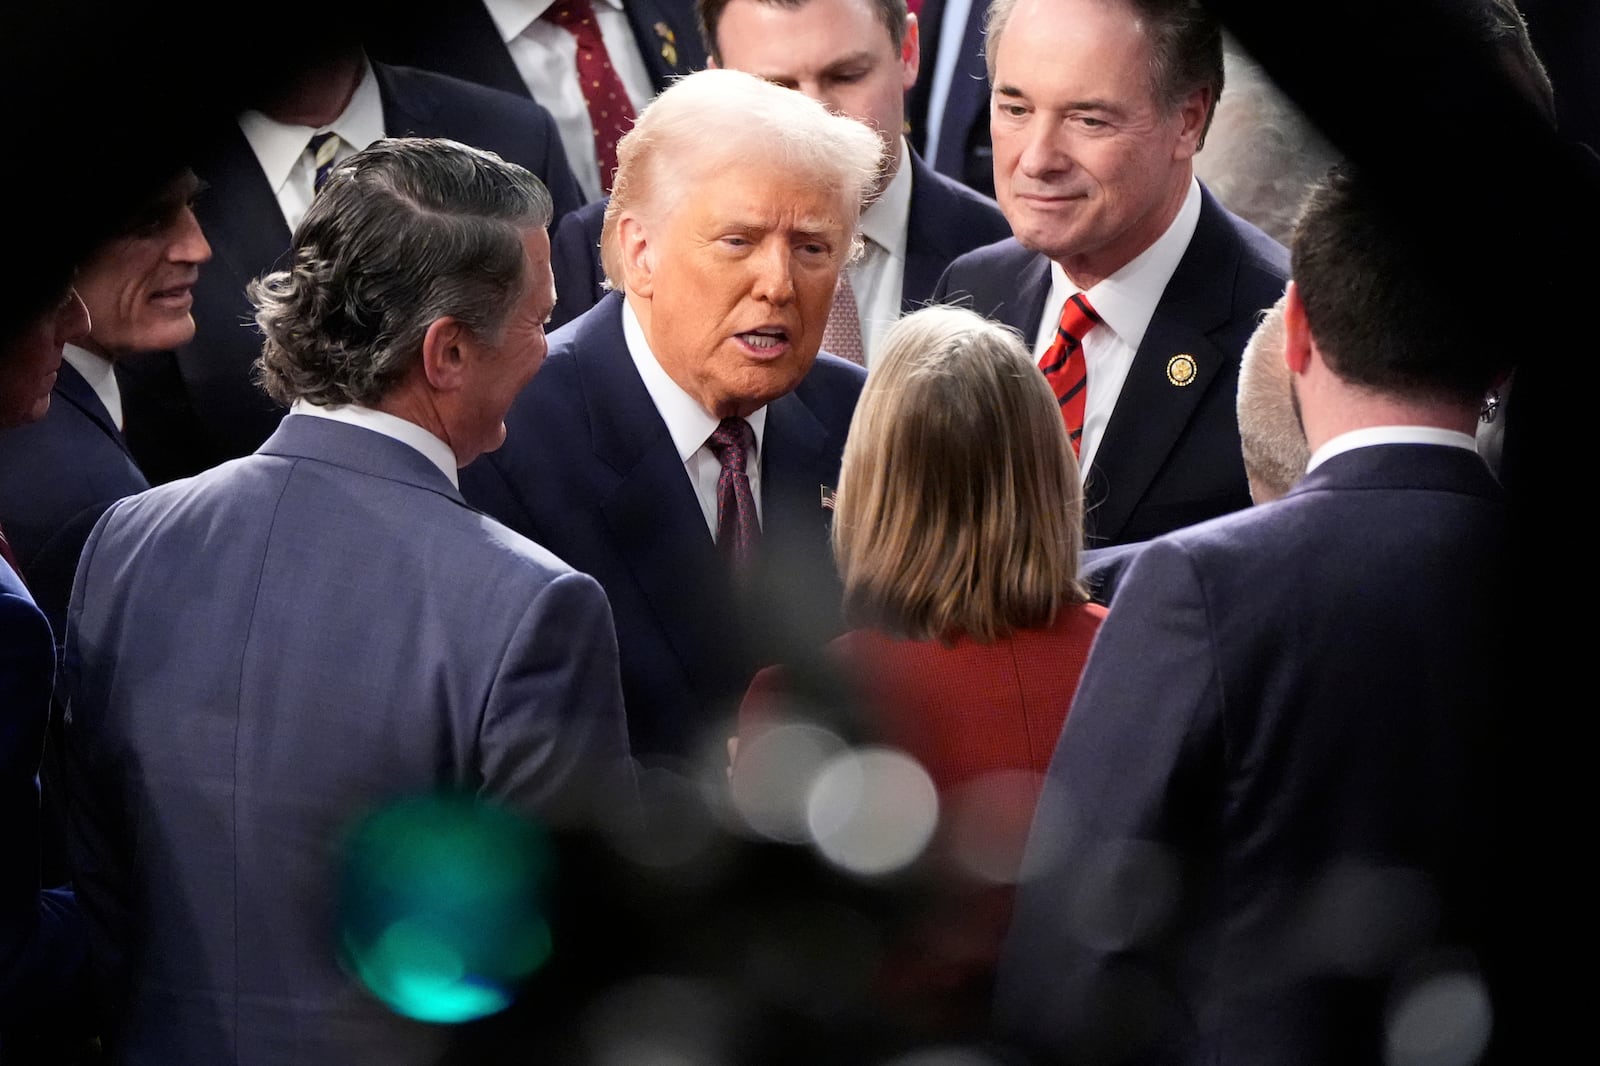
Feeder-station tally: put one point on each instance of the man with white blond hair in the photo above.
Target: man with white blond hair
(685, 435)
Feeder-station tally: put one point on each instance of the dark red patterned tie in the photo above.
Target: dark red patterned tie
(610, 110)
(1064, 366)
(738, 528)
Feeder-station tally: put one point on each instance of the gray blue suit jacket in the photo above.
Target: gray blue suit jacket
(1270, 810)
(258, 656)
(589, 470)
(57, 476)
(1171, 454)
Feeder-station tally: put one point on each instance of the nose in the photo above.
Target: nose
(1044, 151)
(774, 281)
(188, 244)
(72, 319)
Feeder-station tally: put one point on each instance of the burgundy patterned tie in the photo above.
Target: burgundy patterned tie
(738, 528)
(1063, 363)
(610, 110)
(842, 334)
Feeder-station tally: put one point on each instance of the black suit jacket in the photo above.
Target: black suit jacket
(966, 150)
(1272, 807)
(57, 476)
(946, 219)
(460, 39)
(1171, 454)
(197, 407)
(589, 471)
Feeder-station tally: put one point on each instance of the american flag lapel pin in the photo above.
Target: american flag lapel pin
(828, 497)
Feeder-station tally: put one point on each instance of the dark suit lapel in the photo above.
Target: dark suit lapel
(1022, 307)
(926, 256)
(247, 232)
(408, 106)
(1152, 412)
(658, 529)
(71, 387)
(667, 52)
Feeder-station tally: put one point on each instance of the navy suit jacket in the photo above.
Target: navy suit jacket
(1271, 794)
(589, 470)
(966, 151)
(1171, 455)
(42, 944)
(57, 476)
(367, 636)
(946, 219)
(193, 409)
(460, 39)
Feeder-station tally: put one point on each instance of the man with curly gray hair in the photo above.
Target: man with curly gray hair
(266, 652)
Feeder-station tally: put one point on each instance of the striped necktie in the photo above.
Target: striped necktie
(323, 148)
(1064, 366)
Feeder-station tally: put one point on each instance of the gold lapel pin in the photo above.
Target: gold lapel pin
(1181, 370)
(669, 43)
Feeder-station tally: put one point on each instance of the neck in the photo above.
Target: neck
(1362, 408)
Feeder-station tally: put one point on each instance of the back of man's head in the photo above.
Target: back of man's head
(1274, 443)
(405, 232)
(1388, 299)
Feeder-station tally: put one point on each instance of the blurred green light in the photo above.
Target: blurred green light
(441, 911)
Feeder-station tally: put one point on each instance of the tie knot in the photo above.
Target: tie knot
(1078, 317)
(731, 442)
(571, 14)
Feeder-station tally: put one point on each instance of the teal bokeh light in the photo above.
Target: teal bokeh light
(441, 909)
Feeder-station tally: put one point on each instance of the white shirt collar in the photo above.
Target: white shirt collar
(97, 370)
(1373, 435)
(511, 17)
(414, 436)
(687, 422)
(885, 219)
(277, 145)
(1127, 299)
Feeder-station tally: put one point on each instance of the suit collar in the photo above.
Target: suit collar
(1403, 466)
(72, 388)
(357, 449)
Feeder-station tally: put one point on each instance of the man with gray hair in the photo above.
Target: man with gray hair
(684, 440)
(264, 653)
(1136, 286)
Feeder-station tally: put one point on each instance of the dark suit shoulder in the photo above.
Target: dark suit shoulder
(575, 260)
(932, 193)
(517, 128)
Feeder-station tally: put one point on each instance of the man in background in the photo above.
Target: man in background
(1137, 288)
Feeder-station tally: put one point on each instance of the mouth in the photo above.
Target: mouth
(176, 297)
(764, 342)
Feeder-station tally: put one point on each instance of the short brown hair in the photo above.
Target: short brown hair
(959, 510)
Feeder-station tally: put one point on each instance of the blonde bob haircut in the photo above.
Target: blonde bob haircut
(959, 511)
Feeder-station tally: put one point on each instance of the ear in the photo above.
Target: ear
(1296, 333)
(1193, 112)
(445, 351)
(910, 54)
(638, 258)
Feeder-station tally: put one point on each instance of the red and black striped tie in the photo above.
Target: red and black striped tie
(1064, 366)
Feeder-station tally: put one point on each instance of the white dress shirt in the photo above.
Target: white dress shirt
(1374, 435)
(408, 433)
(690, 424)
(1126, 301)
(281, 148)
(547, 58)
(877, 276)
(102, 378)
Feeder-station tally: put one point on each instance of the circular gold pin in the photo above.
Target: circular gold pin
(1181, 370)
